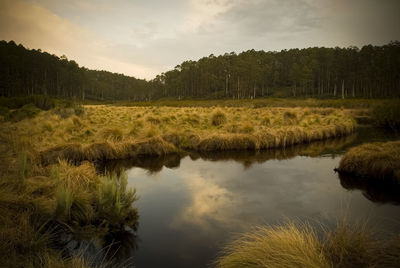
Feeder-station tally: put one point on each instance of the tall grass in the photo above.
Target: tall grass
(115, 202)
(35, 208)
(300, 245)
(283, 246)
(180, 129)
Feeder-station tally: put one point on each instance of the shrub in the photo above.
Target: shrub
(4, 111)
(40, 101)
(43, 102)
(68, 108)
(27, 111)
(218, 118)
(387, 115)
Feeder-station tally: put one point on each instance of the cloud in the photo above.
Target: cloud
(37, 27)
(145, 38)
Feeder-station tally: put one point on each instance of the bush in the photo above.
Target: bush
(387, 115)
(4, 111)
(67, 110)
(27, 111)
(43, 102)
(40, 101)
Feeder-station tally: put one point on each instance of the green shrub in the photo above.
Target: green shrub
(43, 102)
(387, 115)
(4, 111)
(40, 101)
(27, 111)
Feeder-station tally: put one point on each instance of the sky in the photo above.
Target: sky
(143, 38)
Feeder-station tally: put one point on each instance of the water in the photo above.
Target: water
(190, 207)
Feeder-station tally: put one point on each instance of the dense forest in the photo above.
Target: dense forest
(369, 72)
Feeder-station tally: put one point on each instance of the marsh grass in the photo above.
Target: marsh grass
(373, 160)
(218, 117)
(278, 246)
(115, 202)
(45, 176)
(113, 132)
(32, 206)
(301, 245)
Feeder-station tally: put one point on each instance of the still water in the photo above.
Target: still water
(190, 207)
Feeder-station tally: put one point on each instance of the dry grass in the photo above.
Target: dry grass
(283, 246)
(33, 207)
(114, 132)
(294, 245)
(373, 160)
(44, 176)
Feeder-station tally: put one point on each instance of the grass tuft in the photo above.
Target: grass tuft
(278, 246)
(218, 118)
(373, 160)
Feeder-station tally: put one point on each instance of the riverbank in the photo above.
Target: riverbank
(373, 161)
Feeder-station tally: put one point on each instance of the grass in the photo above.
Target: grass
(263, 102)
(47, 184)
(373, 160)
(36, 206)
(114, 132)
(301, 245)
(277, 246)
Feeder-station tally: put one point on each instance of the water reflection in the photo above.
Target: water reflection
(191, 204)
(115, 248)
(155, 164)
(376, 190)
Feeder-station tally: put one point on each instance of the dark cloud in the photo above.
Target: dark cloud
(272, 16)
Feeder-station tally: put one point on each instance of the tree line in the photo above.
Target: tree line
(369, 72)
(33, 72)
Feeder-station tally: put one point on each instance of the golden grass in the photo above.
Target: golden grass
(115, 132)
(373, 160)
(283, 246)
(299, 245)
(39, 179)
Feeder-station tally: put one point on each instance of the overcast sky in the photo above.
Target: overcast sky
(143, 38)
